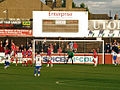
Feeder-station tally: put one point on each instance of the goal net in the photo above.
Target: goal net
(83, 50)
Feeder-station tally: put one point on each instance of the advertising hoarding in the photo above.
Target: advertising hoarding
(60, 23)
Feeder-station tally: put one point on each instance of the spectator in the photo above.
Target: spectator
(1, 42)
(30, 43)
(59, 50)
(1, 48)
(107, 47)
(68, 47)
(115, 42)
(27, 45)
(98, 50)
(63, 47)
(55, 48)
(115, 48)
(71, 45)
(75, 47)
(21, 48)
(37, 47)
(45, 47)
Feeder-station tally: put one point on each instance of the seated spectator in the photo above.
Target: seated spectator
(1, 48)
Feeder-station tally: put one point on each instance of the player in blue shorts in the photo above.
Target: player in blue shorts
(6, 58)
(114, 57)
(38, 64)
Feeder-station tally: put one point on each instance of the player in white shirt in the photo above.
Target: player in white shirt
(38, 64)
(6, 58)
(114, 57)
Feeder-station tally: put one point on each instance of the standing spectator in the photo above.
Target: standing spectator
(75, 47)
(115, 48)
(107, 47)
(27, 45)
(1, 42)
(45, 47)
(63, 47)
(68, 47)
(37, 47)
(98, 50)
(1, 48)
(31, 42)
(55, 48)
(71, 45)
(59, 50)
(21, 48)
(115, 42)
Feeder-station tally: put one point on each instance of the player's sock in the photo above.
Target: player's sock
(115, 63)
(38, 73)
(94, 61)
(35, 71)
(47, 63)
(16, 61)
(50, 62)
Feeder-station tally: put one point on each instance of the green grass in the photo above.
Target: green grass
(61, 77)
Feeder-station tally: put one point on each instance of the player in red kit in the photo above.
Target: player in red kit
(24, 56)
(12, 52)
(29, 56)
(94, 57)
(49, 57)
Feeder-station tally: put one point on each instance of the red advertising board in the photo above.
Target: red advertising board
(16, 32)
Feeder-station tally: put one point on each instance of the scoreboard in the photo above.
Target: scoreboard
(60, 23)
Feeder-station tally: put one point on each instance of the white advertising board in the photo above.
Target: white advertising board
(76, 59)
(58, 20)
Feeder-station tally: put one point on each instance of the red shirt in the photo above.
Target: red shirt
(59, 50)
(29, 54)
(24, 53)
(75, 46)
(7, 51)
(95, 54)
(13, 47)
(1, 49)
(48, 52)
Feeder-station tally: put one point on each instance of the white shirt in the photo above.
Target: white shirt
(114, 53)
(38, 60)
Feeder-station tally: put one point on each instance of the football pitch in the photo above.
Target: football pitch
(61, 77)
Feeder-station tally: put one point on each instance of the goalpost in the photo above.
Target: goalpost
(83, 50)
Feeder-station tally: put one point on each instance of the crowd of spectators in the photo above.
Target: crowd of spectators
(112, 46)
(56, 47)
(8, 43)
